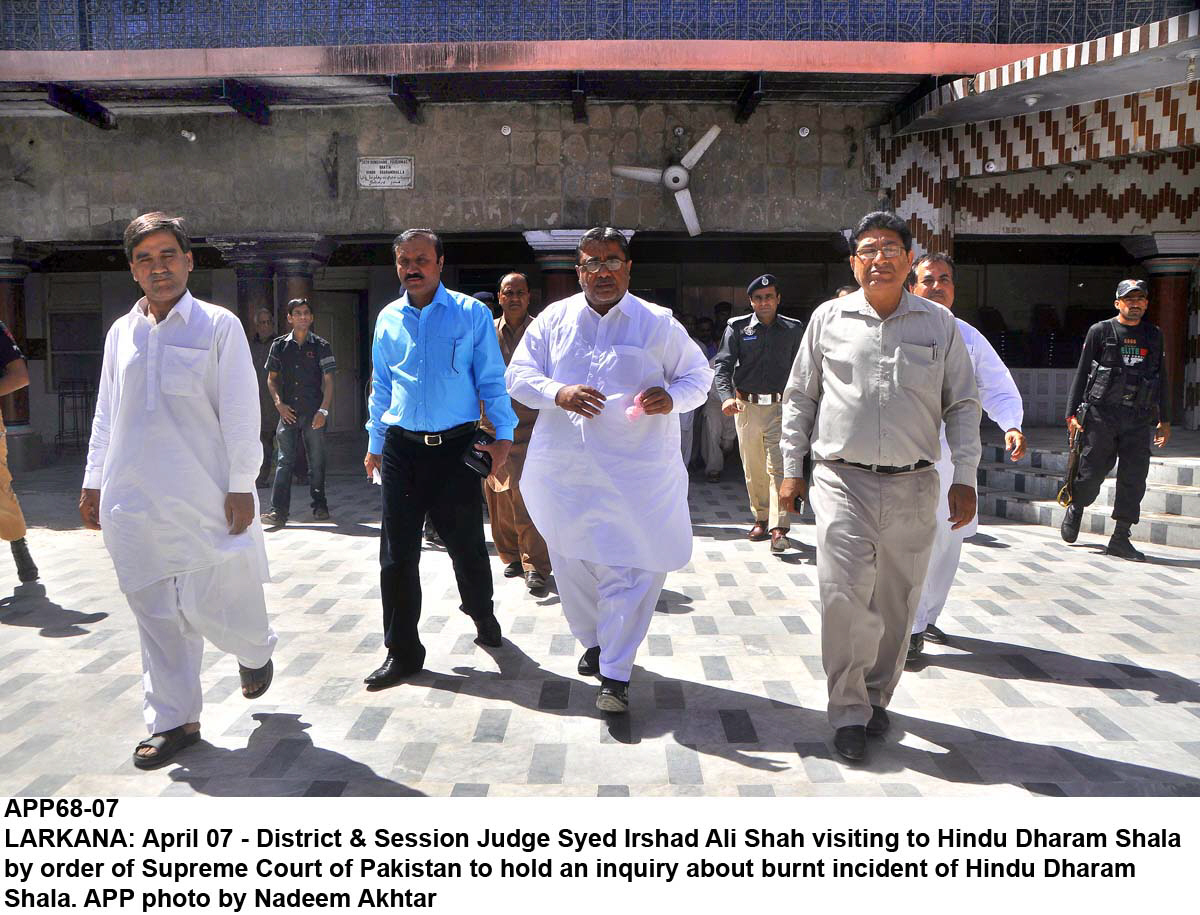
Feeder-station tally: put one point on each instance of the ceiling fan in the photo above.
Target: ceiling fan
(675, 177)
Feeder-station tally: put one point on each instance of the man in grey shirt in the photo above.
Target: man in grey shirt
(878, 372)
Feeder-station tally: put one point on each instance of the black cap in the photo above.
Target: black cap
(1128, 286)
(486, 298)
(767, 279)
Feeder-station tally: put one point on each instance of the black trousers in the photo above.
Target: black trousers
(1122, 436)
(420, 479)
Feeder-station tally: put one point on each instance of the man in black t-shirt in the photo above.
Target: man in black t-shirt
(1120, 400)
(300, 370)
(14, 376)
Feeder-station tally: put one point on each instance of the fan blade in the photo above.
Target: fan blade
(693, 155)
(688, 211)
(652, 175)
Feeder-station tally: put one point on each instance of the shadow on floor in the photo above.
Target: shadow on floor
(735, 726)
(1005, 661)
(280, 759)
(30, 607)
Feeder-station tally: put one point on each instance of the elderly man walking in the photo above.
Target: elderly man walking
(518, 543)
(878, 372)
(1002, 402)
(169, 480)
(603, 480)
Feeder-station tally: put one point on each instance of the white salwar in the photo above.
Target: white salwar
(609, 495)
(176, 429)
(1002, 403)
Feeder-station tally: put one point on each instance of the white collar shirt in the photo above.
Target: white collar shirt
(176, 428)
(608, 489)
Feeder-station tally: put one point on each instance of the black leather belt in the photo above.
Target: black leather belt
(436, 438)
(759, 398)
(883, 468)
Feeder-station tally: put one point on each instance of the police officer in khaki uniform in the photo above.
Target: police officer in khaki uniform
(1120, 398)
(752, 367)
(878, 372)
(14, 375)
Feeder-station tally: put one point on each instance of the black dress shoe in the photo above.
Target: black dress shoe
(487, 631)
(879, 723)
(916, 644)
(513, 569)
(535, 582)
(935, 635)
(1070, 523)
(589, 663)
(393, 670)
(851, 742)
(613, 696)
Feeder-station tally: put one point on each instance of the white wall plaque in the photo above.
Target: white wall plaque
(385, 171)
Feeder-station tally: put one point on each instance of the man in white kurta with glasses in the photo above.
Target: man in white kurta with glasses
(603, 480)
(170, 473)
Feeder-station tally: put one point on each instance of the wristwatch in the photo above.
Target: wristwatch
(322, 411)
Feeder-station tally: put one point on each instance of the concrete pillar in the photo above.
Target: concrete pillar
(554, 250)
(559, 279)
(1170, 258)
(1170, 281)
(253, 290)
(293, 258)
(1191, 369)
(15, 406)
(294, 280)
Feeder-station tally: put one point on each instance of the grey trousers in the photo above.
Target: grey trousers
(874, 536)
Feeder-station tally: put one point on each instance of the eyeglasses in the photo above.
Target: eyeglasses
(612, 264)
(888, 251)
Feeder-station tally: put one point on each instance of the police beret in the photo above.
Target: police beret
(767, 279)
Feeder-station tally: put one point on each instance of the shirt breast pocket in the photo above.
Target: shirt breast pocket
(451, 355)
(183, 370)
(626, 371)
(916, 367)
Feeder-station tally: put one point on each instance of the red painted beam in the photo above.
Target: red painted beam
(882, 57)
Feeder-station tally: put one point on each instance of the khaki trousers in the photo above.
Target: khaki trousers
(758, 427)
(12, 521)
(874, 535)
(513, 531)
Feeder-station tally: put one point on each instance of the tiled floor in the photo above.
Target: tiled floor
(1068, 673)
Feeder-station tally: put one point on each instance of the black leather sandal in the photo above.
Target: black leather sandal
(165, 746)
(255, 682)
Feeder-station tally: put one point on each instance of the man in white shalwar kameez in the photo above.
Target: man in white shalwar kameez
(1002, 402)
(170, 474)
(608, 492)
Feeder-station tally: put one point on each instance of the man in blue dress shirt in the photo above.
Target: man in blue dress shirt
(435, 358)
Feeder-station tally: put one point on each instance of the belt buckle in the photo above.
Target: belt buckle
(435, 439)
